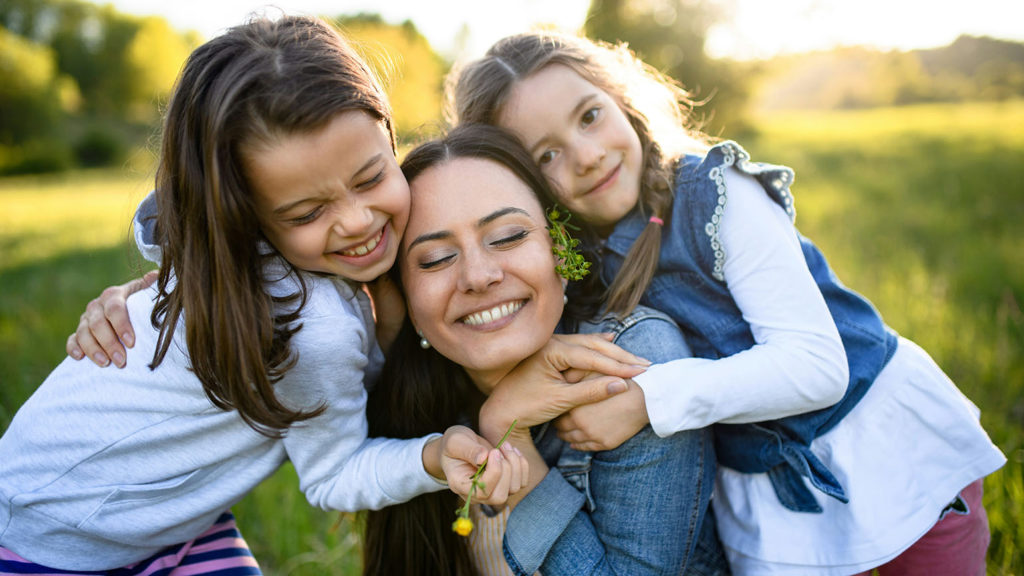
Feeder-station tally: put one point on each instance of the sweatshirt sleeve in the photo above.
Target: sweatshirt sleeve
(338, 466)
(797, 364)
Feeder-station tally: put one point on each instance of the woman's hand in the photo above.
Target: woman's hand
(539, 390)
(606, 424)
(104, 329)
(460, 452)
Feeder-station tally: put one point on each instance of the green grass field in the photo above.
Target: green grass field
(919, 209)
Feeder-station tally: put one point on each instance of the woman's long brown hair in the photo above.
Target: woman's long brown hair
(420, 391)
(247, 88)
(654, 105)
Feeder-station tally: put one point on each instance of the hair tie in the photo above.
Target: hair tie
(657, 221)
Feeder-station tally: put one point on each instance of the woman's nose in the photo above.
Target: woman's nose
(478, 271)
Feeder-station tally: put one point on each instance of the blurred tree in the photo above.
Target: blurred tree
(30, 93)
(155, 55)
(32, 97)
(670, 36)
(410, 69)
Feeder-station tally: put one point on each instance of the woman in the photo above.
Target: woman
(486, 297)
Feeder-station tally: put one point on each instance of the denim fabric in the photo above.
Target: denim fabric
(689, 286)
(638, 509)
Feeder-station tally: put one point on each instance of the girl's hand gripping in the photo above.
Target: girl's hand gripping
(104, 329)
(569, 371)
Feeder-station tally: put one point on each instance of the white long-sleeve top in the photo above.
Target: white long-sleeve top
(902, 454)
(797, 364)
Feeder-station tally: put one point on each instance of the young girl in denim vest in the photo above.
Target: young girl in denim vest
(278, 193)
(845, 448)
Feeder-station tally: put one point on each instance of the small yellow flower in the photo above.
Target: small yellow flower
(462, 526)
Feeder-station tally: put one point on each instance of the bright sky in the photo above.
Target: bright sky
(758, 28)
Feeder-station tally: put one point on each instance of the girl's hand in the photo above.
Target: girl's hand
(461, 452)
(538, 389)
(606, 424)
(388, 309)
(576, 355)
(104, 319)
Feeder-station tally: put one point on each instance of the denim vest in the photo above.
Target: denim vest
(690, 287)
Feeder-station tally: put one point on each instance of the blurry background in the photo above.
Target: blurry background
(903, 119)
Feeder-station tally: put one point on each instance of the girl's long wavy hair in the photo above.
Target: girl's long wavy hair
(656, 106)
(420, 391)
(246, 89)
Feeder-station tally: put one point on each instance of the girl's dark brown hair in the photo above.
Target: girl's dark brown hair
(420, 391)
(654, 105)
(242, 91)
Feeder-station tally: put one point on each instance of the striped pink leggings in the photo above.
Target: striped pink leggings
(220, 550)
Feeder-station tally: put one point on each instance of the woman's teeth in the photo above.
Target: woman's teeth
(496, 313)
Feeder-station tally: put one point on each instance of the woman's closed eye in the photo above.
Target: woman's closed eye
(512, 239)
(434, 260)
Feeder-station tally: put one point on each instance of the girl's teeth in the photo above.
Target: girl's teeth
(364, 249)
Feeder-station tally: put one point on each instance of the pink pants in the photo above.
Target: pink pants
(955, 545)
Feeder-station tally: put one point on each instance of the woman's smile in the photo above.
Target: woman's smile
(489, 318)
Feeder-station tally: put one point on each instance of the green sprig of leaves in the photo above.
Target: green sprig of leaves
(571, 264)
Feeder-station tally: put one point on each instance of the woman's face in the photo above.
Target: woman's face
(478, 268)
(334, 200)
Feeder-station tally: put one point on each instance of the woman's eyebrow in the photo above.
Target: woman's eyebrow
(499, 213)
(428, 237)
(442, 234)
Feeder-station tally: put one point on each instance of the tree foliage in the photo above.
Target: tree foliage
(670, 35)
(971, 68)
(412, 72)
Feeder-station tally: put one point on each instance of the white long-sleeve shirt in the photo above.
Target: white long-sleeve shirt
(902, 454)
(797, 364)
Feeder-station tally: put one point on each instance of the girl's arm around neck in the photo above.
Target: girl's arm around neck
(797, 364)
(338, 466)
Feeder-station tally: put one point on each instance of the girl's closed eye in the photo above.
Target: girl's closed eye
(307, 217)
(376, 179)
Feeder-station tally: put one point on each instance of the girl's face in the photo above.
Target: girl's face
(582, 141)
(334, 200)
(478, 267)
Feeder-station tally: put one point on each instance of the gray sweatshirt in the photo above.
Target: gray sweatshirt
(104, 467)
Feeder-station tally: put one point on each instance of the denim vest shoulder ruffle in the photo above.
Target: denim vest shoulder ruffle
(689, 286)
